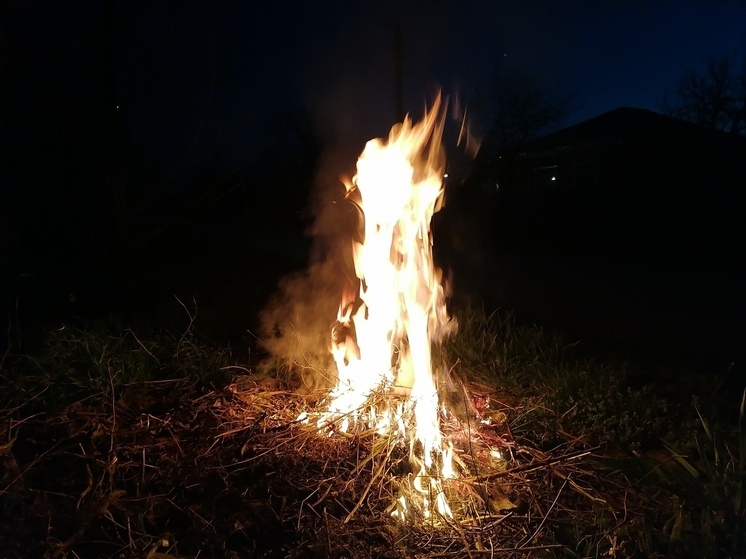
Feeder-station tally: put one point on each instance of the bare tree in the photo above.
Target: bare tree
(521, 108)
(715, 98)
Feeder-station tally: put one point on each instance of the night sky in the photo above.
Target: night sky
(338, 58)
(604, 54)
(175, 89)
(234, 69)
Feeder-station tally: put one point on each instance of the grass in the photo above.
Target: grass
(691, 472)
(710, 486)
(570, 394)
(673, 471)
(77, 362)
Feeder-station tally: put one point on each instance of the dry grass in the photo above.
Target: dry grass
(176, 467)
(232, 473)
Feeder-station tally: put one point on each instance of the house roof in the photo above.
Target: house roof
(627, 124)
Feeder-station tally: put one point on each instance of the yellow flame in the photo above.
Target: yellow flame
(383, 339)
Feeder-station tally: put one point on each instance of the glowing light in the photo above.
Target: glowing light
(384, 334)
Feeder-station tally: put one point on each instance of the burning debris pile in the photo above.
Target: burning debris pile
(350, 493)
(387, 327)
(179, 472)
(354, 494)
(398, 437)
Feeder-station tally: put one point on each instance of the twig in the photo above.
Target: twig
(543, 520)
(7, 413)
(113, 408)
(527, 549)
(13, 424)
(191, 317)
(229, 367)
(534, 465)
(580, 489)
(500, 518)
(375, 476)
(90, 482)
(142, 345)
(326, 530)
(303, 502)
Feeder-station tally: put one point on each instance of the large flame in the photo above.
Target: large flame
(385, 333)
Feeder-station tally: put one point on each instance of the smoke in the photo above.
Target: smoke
(295, 324)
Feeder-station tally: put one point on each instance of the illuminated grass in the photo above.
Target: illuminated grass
(76, 362)
(623, 470)
(570, 395)
(681, 462)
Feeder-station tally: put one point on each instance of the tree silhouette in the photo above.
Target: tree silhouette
(521, 108)
(715, 98)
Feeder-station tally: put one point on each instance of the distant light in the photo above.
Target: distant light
(554, 178)
(117, 106)
(497, 186)
(445, 176)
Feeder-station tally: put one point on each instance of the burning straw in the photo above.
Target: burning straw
(398, 436)
(388, 325)
(506, 500)
(417, 433)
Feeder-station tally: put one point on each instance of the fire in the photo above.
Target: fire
(384, 335)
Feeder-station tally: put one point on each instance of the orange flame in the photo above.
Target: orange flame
(384, 338)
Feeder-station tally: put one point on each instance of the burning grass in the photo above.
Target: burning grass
(179, 467)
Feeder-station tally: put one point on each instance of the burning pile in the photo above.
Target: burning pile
(385, 332)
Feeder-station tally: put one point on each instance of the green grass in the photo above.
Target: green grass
(686, 463)
(76, 362)
(571, 395)
(709, 487)
(687, 459)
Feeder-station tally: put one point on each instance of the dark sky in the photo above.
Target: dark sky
(606, 54)
(203, 87)
(231, 69)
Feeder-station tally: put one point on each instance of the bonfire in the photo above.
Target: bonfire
(400, 438)
(400, 458)
(386, 330)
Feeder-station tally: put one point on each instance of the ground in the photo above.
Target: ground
(166, 470)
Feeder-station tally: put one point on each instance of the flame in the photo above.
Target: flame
(384, 333)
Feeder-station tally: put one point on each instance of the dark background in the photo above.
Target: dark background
(152, 149)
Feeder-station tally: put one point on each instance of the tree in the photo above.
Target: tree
(520, 108)
(715, 98)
